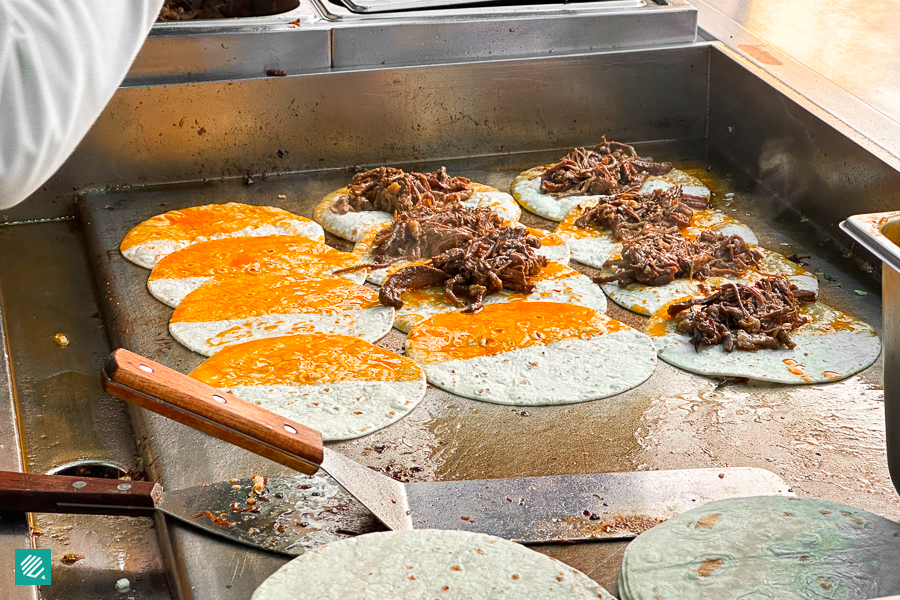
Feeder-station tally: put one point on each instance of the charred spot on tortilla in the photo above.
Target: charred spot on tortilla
(657, 259)
(503, 258)
(632, 214)
(744, 317)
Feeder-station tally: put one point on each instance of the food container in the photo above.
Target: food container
(879, 233)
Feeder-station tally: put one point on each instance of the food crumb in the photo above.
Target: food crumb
(71, 558)
(276, 72)
(282, 197)
(123, 586)
(61, 339)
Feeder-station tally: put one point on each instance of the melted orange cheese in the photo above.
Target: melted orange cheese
(249, 296)
(503, 327)
(304, 360)
(252, 256)
(205, 221)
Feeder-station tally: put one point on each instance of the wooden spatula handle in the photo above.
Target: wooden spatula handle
(31, 492)
(162, 390)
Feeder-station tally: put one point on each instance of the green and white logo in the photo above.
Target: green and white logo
(33, 567)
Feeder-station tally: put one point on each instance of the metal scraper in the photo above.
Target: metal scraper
(530, 509)
(285, 513)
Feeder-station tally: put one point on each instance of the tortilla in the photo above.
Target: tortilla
(224, 312)
(341, 386)
(593, 246)
(555, 283)
(553, 247)
(184, 271)
(834, 345)
(353, 225)
(531, 354)
(526, 189)
(427, 564)
(765, 547)
(648, 299)
(164, 234)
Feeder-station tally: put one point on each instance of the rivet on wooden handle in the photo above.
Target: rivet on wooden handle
(160, 389)
(32, 492)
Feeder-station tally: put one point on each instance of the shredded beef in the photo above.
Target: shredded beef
(744, 317)
(428, 230)
(660, 258)
(502, 259)
(394, 191)
(633, 214)
(607, 168)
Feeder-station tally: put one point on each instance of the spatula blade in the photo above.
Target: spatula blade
(570, 508)
(293, 513)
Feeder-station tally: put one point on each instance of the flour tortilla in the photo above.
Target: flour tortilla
(526, 189)
(833, 346)
(553, 247)
(427, 564)
(224, 312)
(542, 369)
(180, 273)
(163, 234)
(555, 283)
(648, 299)
(340, 386)
(353, 225)
(593, 246)
(765, 547)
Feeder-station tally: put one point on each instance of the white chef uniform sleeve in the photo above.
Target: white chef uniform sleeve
(60, 63)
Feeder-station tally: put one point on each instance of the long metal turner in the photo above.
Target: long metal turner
(529, 509)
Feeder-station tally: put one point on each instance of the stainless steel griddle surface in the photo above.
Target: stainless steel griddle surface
(824, 440)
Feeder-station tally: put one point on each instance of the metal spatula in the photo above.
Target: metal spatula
(530, 509)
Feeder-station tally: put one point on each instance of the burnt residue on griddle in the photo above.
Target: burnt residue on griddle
(594, 526)
(744, 317)
(607, 168)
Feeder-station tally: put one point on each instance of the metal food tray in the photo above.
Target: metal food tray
(489, 121)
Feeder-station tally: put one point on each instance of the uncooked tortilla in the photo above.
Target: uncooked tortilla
(765, 547)
(163, 234)
(340, 386)
(224, 312)
(648, 299)
(531, 354)
(555, 283)
(427, 564)
(526, 189)
(593, 246)
(553, 247)
(832, 346)
(182, 272)
(353, 225)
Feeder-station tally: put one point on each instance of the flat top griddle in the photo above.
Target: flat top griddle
(674, 420)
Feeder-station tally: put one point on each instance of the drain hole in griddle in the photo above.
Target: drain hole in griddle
(90, 468)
